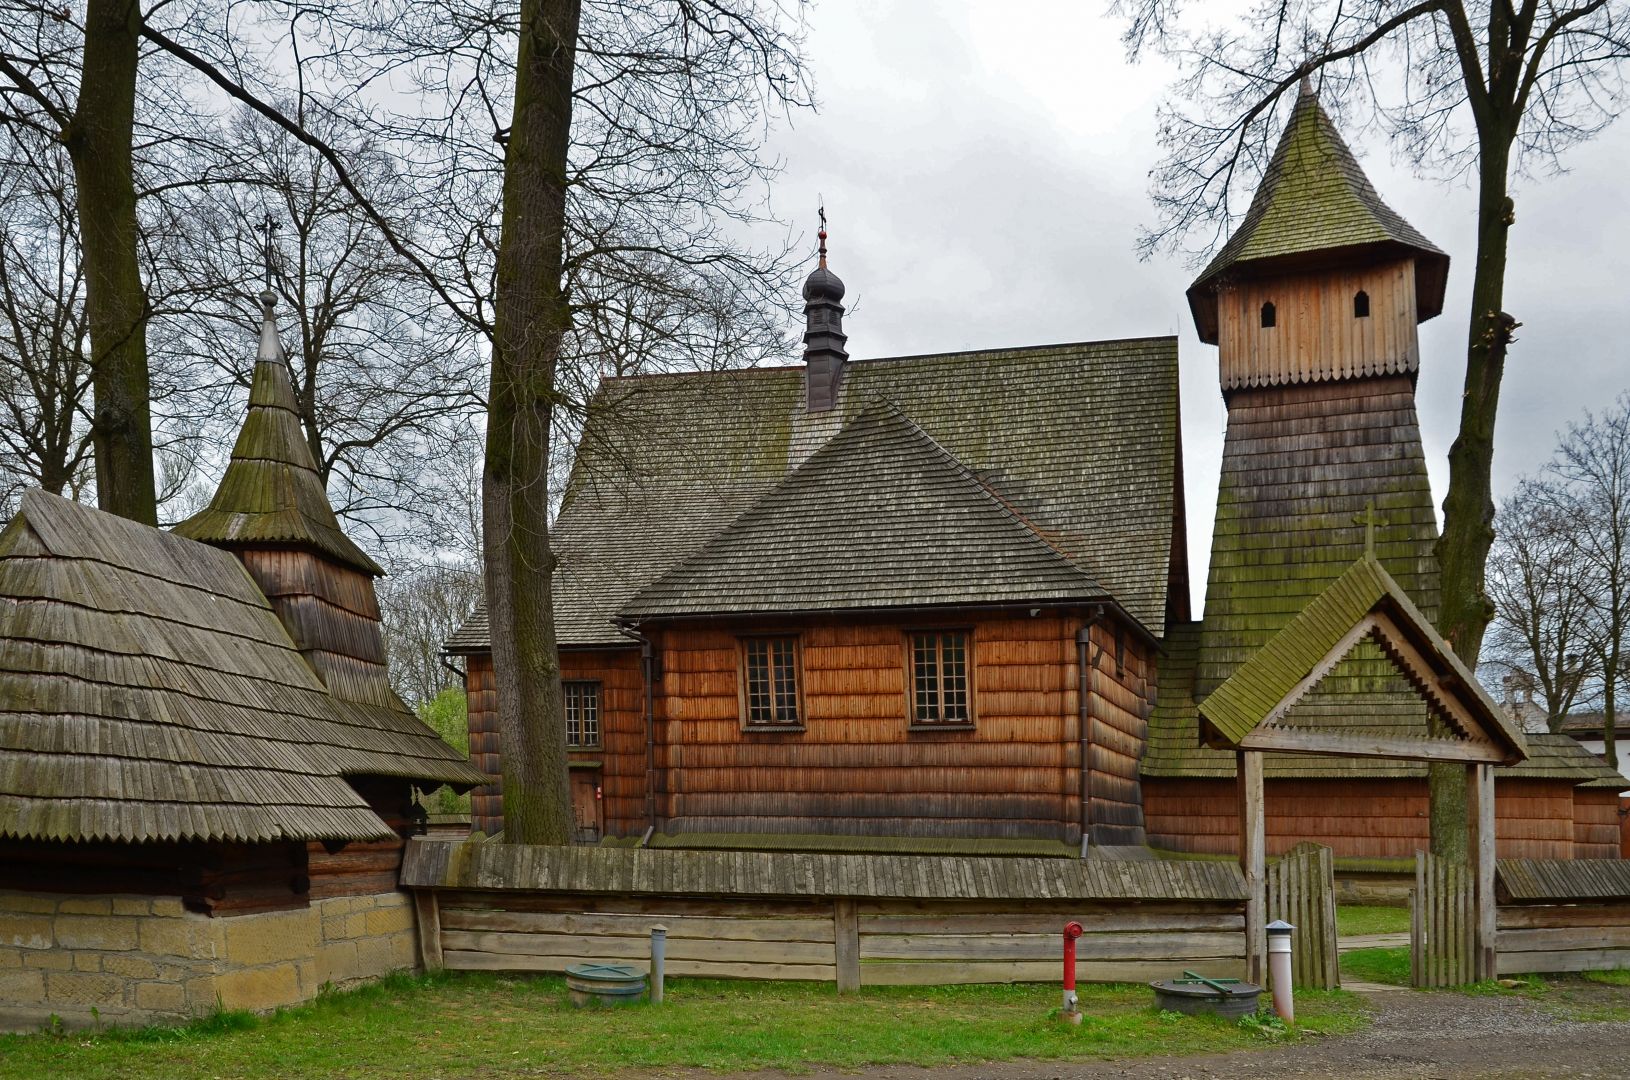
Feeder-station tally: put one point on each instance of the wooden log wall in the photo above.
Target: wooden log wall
(216, 879)
(1316, 335)
(1121, 696)
(864, 943)
(1563, 916)
(856, 767)
(366, 869)
(1597, 825)
(1358, 818)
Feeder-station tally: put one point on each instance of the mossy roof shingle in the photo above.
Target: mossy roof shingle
(1315, 201)
(1079, 441)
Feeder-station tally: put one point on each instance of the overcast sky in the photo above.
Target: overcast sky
(985, 172)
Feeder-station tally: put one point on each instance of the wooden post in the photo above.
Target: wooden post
(1253, 860)
(846, 944)
(428, 913)
(1480, 815)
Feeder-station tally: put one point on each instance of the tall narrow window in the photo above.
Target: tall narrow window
(1270, 317)
(770, 681)
(1361, 305)
(939, 678)
(582, 714)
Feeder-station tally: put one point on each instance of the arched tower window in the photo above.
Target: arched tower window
(1361, 305)
(1269, 315)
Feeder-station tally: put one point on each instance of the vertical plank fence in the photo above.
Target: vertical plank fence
(1302, 891)
(1442, 923)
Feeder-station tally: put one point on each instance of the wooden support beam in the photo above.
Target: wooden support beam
(1314, 741)
(1253, 843)
(427, 912)
(846, 939)
(1480, 815)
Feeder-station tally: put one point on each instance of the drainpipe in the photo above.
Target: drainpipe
(648, 673)
(1083, 661)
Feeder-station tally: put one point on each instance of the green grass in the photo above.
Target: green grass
(1389, 966)
(1353, 919)
(1620, 977)
(487, 1026)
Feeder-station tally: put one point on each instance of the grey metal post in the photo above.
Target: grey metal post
(659, 959)
(1284, 1002)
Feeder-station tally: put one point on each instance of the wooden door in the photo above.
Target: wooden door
(587, 820)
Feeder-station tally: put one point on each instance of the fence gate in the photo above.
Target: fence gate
(1302, 891)
(1442, 923)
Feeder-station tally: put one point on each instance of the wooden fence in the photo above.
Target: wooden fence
(1302, 891)
(1563, 915)
(850, 919)
(1442, 923)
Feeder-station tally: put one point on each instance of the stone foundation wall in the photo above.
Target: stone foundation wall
(137, 959)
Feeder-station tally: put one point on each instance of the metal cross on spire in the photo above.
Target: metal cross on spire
(821, 209)
(268, 227)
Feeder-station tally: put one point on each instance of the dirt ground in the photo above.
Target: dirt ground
(1443, 1036)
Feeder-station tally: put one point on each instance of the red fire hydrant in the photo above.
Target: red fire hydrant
(1072, 1011)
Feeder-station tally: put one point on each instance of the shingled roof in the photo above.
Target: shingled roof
(271, 493)
(1315, 204)
(148, 692)
(1076, 446)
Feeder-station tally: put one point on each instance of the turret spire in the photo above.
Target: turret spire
(824, 339)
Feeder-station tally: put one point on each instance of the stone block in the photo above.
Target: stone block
(258, 988)
(26, 931)
(131, 905)
(83, 988)
(337, 963)
(166, 937)
(11, 958)
(356, 925)
(87, 961)
(87, 906)
(271, 937)
(23, 902)
(162, 997)
(378, 955)
(22, 987)
(389, 920)
(96, 932)
(55, 960)
(168, 907)
(131, 967)
(334, 928)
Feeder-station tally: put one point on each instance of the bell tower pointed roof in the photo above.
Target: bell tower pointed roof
(272, 495)
(1316, 208)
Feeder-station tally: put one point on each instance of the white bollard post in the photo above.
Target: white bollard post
(659, 958)
(1284, 1002)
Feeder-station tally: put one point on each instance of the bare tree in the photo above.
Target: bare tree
(421, 608)
(1489, 89)
(1542, 590)
(1592, 464)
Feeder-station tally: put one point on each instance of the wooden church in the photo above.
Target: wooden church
(939, 602)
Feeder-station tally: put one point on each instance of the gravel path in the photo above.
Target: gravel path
(1443, 1036)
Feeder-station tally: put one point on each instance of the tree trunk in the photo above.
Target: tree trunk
(531, 317)
(99, 144)
(1468, 508)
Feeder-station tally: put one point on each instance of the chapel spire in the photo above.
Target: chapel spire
(824, 339)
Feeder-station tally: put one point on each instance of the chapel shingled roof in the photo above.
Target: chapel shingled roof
(271, 493)
(148, 692)
(1078, 442)
(1315, 202)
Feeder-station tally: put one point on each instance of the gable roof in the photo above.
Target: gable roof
(880, 516)
(148, 692)
(1248, 708)
(1080, 441)
(271, 493)
(1315, 200)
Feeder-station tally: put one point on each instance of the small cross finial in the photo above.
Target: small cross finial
(268, 295)
(1369, 519)
(821, 209)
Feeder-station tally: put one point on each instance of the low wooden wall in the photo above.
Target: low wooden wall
(850, 919)
(1563, 915)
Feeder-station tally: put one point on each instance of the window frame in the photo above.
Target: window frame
(599, 713)
(744, 643)
(913, 723)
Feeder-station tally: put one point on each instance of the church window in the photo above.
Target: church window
(770, 681)
(940, 694)
(1269, 316)
(1361, 305)
(582, 714)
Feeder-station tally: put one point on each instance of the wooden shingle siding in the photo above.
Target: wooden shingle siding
(857, 766)
(481, 703)
(1357, 818)
(1317, 337)
(1122, 696)
(622, 733)
(1597, 827)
